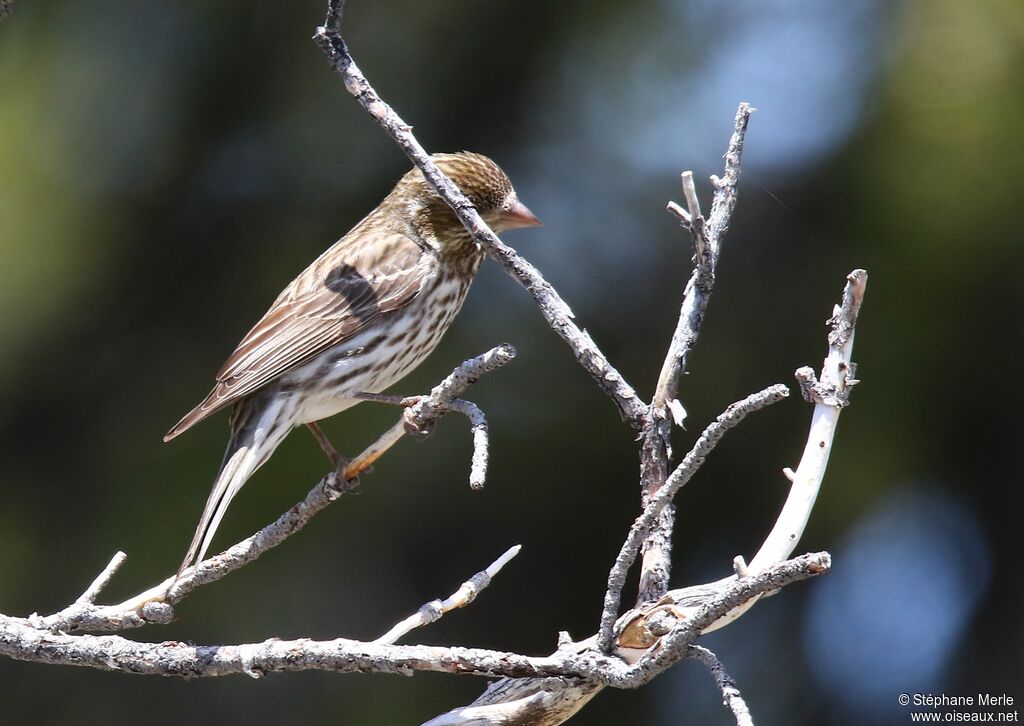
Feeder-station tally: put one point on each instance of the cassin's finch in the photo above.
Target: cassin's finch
(358, 319)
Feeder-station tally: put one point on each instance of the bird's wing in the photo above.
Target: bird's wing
(347, 289)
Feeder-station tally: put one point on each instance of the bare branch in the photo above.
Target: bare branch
(555, 310)
(655, 452)
(103, 579)
(481, 446)
(433, 610)
(731, 697)
(549, 701)
(700, 240)
(368, 456)
(707, 238)
(719, 600)
(679, 213)
(729, 418)
(155, 604)
(830, 395)
(22, 640)
(428, 408)
(423, 411)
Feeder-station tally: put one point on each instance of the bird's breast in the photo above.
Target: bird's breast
(380, 355)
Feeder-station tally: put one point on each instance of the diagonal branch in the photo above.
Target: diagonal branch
(554, 309)
(731, 697)
(102, 580)
(435, 609)
(155, 604)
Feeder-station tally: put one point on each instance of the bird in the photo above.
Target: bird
(361, 316)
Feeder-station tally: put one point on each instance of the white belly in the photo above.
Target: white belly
(407, 337)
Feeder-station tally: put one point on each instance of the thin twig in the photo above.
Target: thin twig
(700, 240)
(426, 409)
(701, 283)
(103, 579)
(423, 411)
(679, 213)
(554, 309)
(655, 450)
(467, 592)
(731, 697)
(481, 445)
(729, 418)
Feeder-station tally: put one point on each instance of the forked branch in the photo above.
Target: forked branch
(683, 473)
(665, 408)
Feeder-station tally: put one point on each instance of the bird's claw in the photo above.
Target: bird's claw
(417, 429)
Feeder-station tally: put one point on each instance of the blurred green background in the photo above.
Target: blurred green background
(167, 167)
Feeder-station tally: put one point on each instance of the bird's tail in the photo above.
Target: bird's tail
(258, 424)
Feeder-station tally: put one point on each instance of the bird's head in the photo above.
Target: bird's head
(481, 180)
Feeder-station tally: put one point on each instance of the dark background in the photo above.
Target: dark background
(167, 167)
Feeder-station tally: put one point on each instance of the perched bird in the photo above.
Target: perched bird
(359, 318)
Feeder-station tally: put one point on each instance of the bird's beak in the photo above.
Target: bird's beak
(517, 216)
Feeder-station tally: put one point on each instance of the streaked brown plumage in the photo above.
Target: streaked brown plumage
(360, 317)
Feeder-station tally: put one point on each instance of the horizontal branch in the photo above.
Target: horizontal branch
(20, 640)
